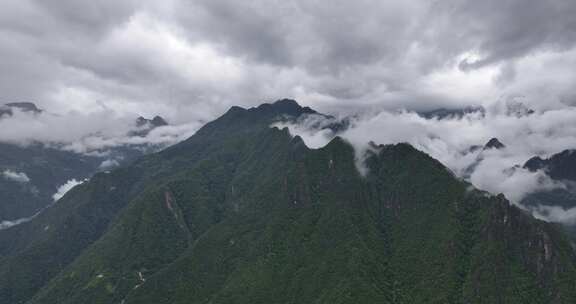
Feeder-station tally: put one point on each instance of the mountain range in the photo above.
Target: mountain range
(242, 212)
(30, 175)
(8, 108)
(560, 168)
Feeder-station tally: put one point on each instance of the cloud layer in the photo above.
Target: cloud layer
(191, 60)
(457, 142)
(87, 133)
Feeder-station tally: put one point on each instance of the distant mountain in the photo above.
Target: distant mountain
(145, 125)
(494, 143)
(31, 175)
(478, 151)
(42, 171)
(157, 121)
(244, 213)
(458, 113)
(8, 109)
(510, 108)
(518, 109)
(560, 167)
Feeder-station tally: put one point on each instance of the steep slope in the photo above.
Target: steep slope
(494, 143)
(244, 213)
(410, 233)
(29, 256)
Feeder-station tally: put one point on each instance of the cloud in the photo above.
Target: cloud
(555, 214)
(450, 141)
(19, 177)
(313, 129)
(81, 132)
(109, 164)
(63, 189)
(8, 224)
(179, 59)
(511, 29)
(514, 183)
(100, 66)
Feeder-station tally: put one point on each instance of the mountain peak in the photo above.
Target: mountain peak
(29, 107)
(535, 163)
(286, 102)
(285, 106)
(560, 166)
(494, 143)
(146, 125)
(157, 121)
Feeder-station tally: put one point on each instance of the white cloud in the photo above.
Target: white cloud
(515, 184)
(555, 214)
(87, 132)
(449, 140)
(63, 189)
(8, 224)
(19, 177)
(310, 128)
(109, 164)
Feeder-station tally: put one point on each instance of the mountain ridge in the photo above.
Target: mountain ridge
(244, 213)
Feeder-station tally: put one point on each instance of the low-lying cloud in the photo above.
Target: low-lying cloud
(556, 214)
(63, 189)
(458, 142)
(19, 177)
(8, 224)
(86, 133)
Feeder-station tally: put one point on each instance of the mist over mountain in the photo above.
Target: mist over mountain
(558, 203)
(327, 151)
(465, 144)
(243, 212)
(34, 171)
(9, 108)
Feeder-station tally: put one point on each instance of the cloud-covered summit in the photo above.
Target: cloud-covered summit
(487, 148)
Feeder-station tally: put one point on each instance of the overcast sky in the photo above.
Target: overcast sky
(192, 59)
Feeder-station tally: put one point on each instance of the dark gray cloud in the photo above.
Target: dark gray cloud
(505, 30)
(190, 60)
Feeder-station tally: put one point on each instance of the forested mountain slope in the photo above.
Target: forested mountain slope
(244, 213)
